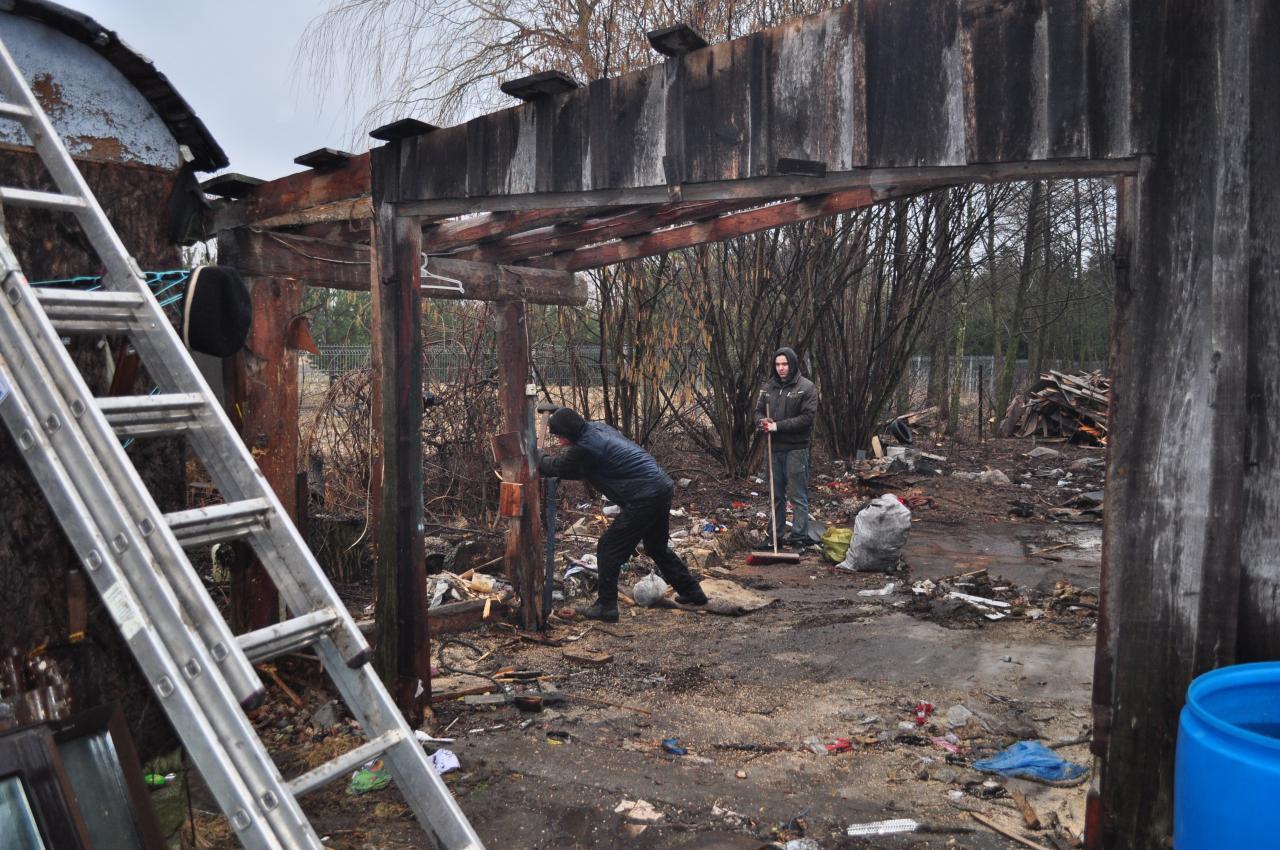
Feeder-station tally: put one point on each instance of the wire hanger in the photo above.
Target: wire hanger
(426, 273)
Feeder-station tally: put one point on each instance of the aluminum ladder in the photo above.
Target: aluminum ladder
(202, 675)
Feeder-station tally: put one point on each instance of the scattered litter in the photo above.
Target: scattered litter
(649, 590)
(879, 533)
(884, 591)
(741, 774)
(802, 844)
(611, 510)
(1043, 451)
(158, 780)
(640, 811)
(672, 746)
(883, 827)
(835, 543)
(840, 745)
(1032, 760)
(958, 716)
(993, 478)
(444, 761)
(424, 738)
(816, 746)
(373, 776)
(923, 712)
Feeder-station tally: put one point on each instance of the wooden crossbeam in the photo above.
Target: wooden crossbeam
(454, 234)
(340, 192)
(345, 265)
(567, 236)
(712, 230)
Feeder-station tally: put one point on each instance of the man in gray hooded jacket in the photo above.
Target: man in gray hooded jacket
(787, 407)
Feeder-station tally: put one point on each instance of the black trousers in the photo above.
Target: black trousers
(647, 521)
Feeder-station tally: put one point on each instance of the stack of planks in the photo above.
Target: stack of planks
(1060, 405)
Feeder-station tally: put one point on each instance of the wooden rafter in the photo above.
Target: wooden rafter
(452, 235)
(564, 237)
(713, 230)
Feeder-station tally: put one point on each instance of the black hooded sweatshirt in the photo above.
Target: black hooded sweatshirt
(792, 403)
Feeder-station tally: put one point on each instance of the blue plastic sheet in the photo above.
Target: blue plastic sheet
(1031, 760)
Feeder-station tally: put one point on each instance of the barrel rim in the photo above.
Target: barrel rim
(1226, 677)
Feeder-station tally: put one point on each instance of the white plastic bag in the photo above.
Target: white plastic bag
(649, 590)
(879, 533)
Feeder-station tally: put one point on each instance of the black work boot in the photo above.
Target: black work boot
(692, 596)
(601, 611)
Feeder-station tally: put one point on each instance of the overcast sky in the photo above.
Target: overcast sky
(234, 62)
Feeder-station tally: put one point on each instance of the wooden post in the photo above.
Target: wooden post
(523, 561)
(1174, 503)
(402, 647)
(264, 395)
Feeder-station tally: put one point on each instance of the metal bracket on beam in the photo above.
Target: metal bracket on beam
(676, 40)
(543, 84)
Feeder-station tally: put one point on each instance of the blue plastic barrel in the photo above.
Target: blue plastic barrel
(1226, 787)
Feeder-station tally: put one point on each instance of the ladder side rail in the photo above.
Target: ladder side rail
(228, 461)
(169, 557)
(143, 640)
(247, 757)
(432, 802)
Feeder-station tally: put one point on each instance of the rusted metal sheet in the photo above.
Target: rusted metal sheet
(106, 100)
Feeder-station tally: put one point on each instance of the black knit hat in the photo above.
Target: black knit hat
(567, 422)
(217, 311)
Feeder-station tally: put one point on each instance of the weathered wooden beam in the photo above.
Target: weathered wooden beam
(713, 230)
(345, 265)
(573, 235)
(985, 83)
(778, 186)
(523, 557)
(266, 407)
(1179, 456)
(450, 235)
(403, 648)
(285, 201)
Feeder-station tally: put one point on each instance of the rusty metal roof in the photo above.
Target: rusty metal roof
(176, 113)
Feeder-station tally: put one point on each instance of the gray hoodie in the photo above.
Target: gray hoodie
(792, 403)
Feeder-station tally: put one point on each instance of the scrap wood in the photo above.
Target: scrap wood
(1029, 816)
(997, 828)
(270, 670)
(588, 656)
(1071, 406)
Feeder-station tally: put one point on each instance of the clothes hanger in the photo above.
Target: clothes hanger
(425, 273)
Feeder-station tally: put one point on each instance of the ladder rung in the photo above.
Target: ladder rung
(218, 523)
(99, 311)
(15, 112)
(349, 760)
(44, 200)
(148, 415)
(289, 636)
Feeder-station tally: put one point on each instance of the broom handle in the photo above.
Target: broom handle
(773, 511)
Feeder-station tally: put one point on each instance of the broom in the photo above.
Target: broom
(774, 557)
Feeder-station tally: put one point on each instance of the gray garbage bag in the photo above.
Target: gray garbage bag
(879, 533)
(649, 590)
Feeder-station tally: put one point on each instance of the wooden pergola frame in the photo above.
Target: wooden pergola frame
(873, 101)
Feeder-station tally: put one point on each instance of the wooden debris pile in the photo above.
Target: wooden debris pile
(1060, 405)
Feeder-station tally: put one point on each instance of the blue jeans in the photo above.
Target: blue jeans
(791, 479)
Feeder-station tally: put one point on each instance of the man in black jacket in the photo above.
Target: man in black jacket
(630, 477)
(787, 407)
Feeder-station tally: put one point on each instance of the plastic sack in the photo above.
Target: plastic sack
(1032, 760)
(649, 590)
(835, 543)
(879, 533)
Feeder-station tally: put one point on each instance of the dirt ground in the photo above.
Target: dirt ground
(751, 697)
